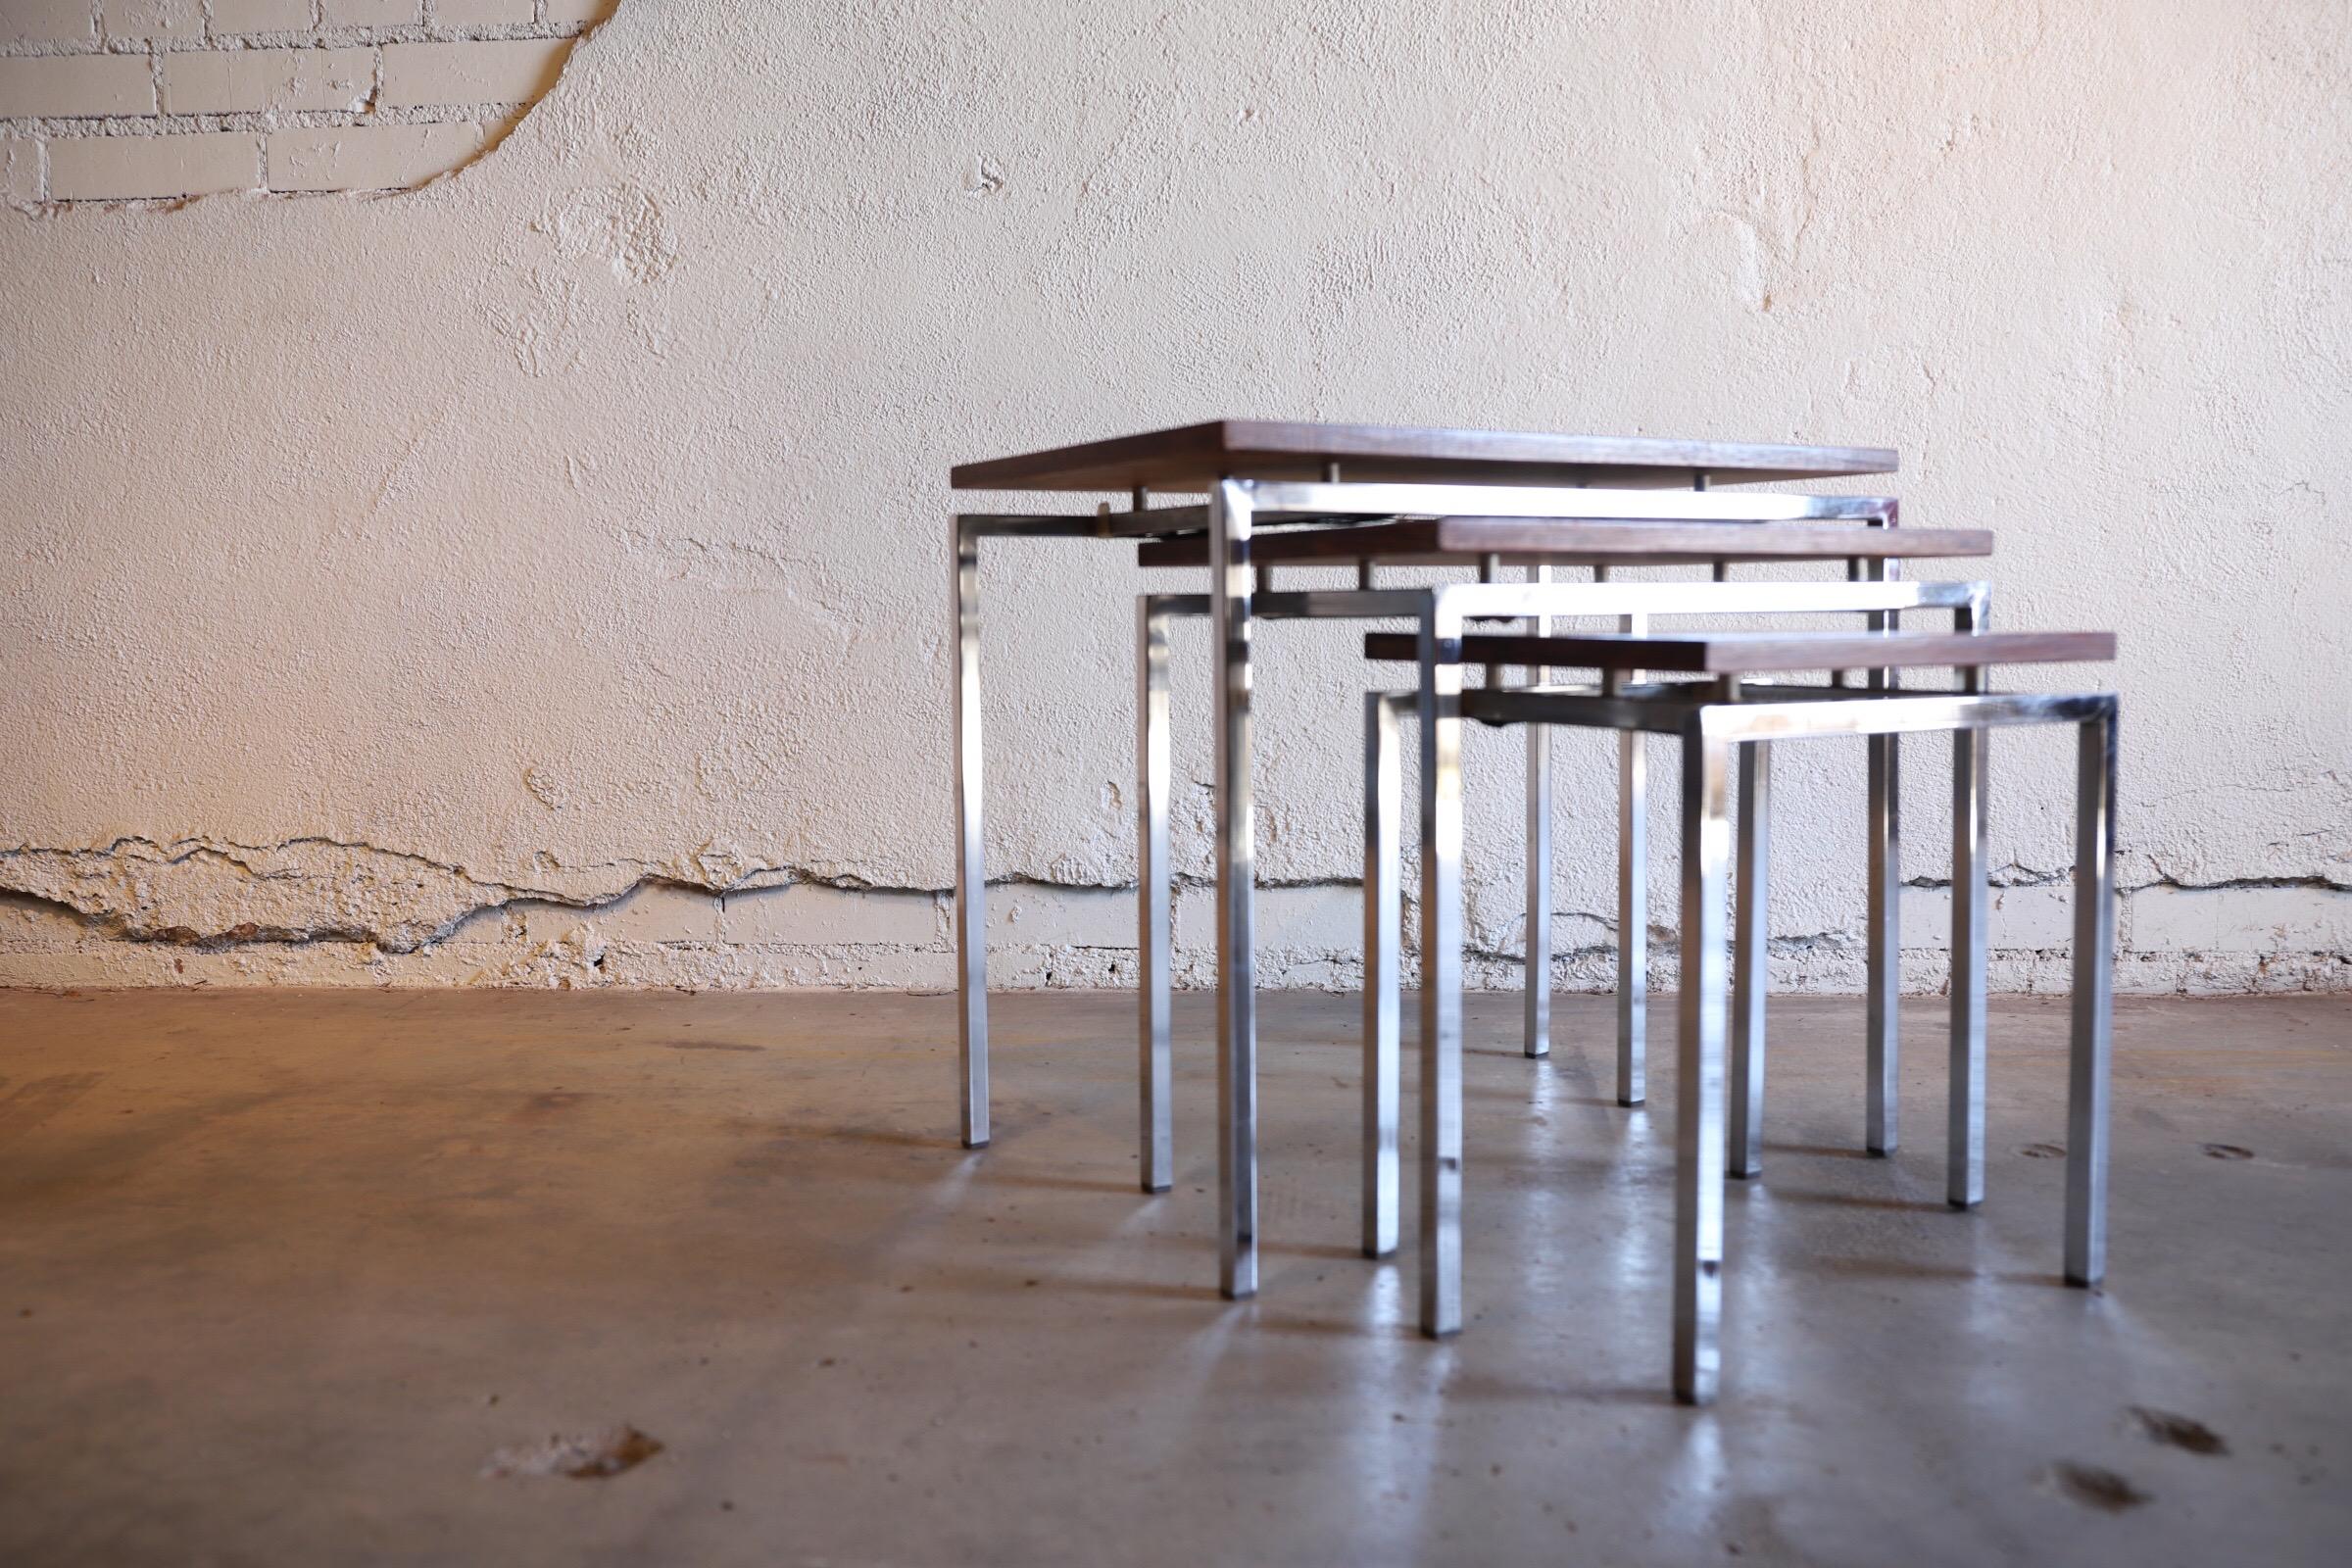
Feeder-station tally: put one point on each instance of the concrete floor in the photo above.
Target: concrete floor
(279, 1272)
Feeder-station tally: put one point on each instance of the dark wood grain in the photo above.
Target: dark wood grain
(1193, 457)
(1456, 540)
(1742, 653)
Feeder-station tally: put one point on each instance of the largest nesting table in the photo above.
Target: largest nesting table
(1260, 475)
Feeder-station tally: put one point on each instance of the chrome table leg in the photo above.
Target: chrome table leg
(1440, 724)
(1384, 795)
(1231, 582)
(1751, 955)
(1884, 1050)
(1699, 1145)
(1536, 977)
(1964, 1106)
(971, 869)
(2093, 1012)
(1633, 899)
(1154, 981)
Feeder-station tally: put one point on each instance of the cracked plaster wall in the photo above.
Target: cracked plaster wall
(539, 577)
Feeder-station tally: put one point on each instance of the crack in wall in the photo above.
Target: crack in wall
(213, 893)
(321, 889)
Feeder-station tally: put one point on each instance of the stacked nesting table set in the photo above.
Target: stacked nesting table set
(1246, 499)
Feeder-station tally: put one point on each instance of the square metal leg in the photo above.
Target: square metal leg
(1154, 981)
(1231, 582)
(1536, 1012)
(1964, 1106)
(2094, 1004)
(1384, 904)
(971, 867)
(1750, 953)
(1440, 724)
(1699, 1142)
(1886, 944)
(1885, 940)
(1633, 915)
(1536, 980)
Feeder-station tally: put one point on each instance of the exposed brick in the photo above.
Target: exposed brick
(234, 80)
(815, 915)
(374, 13)
(483, 13)
(1033, 914)
(20, 170)
(260, 15)
(73, 87)
(660, 914)
(2033, 918)
(154, 19)
(2242, 919)
(513, 73)
(1298, 921)
(98, 168)
(367, 156)
(48, 22)
(564, 12)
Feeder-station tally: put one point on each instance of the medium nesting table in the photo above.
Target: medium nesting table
(1265, 474)
(1489, 544)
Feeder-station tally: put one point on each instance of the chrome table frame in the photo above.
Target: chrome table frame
(1710, 725)
(1631, 604)
(1970, 604)
(1229, 518)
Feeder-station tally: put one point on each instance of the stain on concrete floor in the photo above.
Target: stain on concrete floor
(590, 1457)
(2175, 1431)
(2095, 1486)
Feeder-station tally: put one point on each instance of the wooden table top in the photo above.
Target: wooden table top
(1191, 458)
(1758, 652)
(1523, 541)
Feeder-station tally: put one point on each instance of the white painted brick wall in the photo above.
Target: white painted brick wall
(369, 156)
(179, 98)
(231, 81)
(122, 169)
(20, 170)
(416, 74)
(2252, 919)
(810, 914)
(483, 13)
(657, 914)
(233, 16)
(374, 12)
(48, 21)
(48, 86)
(127, 20)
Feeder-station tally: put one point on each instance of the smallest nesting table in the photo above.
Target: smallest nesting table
(1714, 716)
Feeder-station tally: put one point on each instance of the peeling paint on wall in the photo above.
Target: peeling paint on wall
(540, 579)
(158, 103)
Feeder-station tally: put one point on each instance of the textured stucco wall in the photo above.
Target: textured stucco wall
(541, 578)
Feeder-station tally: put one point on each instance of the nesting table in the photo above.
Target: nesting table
(1725, 704)
(1306, 486)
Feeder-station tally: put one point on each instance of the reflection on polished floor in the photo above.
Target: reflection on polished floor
(281, 1272)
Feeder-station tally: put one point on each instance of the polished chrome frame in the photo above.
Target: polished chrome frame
(1229, 517)
(1454, 604)
(1712, 718)
(1968, 602)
